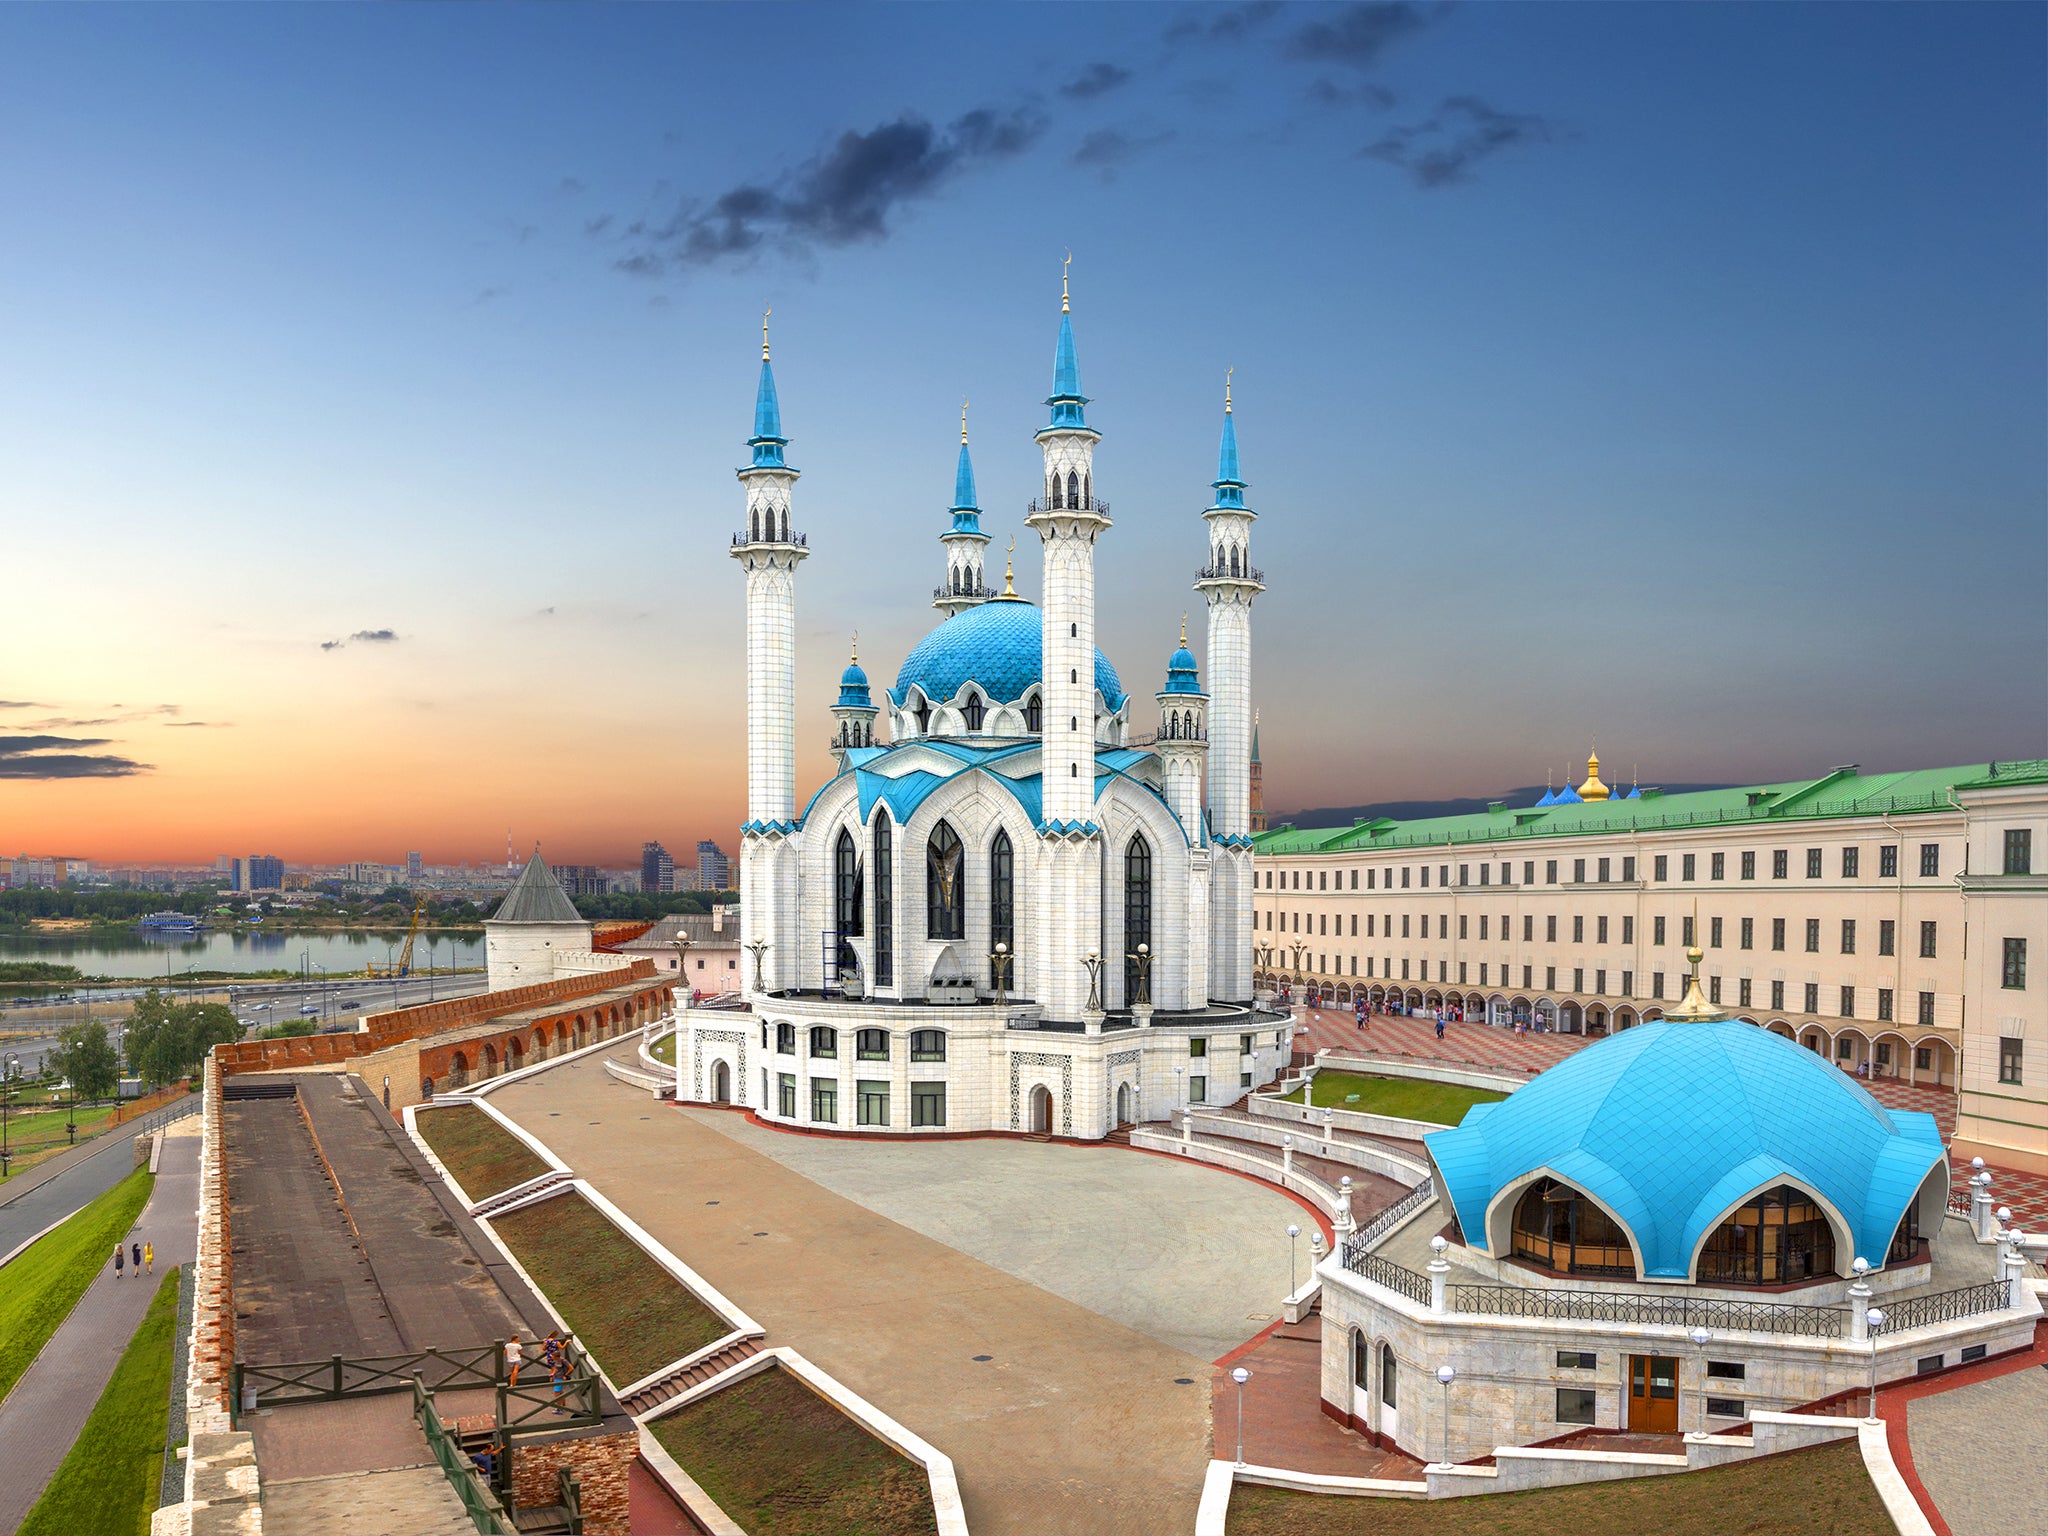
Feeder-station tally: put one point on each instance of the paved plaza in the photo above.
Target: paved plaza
(1072, 1420)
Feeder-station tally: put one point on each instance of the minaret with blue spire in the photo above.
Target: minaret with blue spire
(964, 540)
(1229, 583)
(1069, 519)
(769, 551)
(854, 714)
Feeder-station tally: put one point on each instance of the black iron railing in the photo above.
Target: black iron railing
(1638, 1307)
(1225, 573)
(976, 594)
(1388, 1219)
(1959, 1202)
(743, 538)
(1945, 1306)
(1071, 504)
(1385, 1272)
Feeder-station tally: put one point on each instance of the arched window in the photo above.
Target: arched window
(1361, 1360)
(1561, 1229)
(1772, 1238)
(754, 525)
(923, 717)
(1087, 490)
(1906, 1240)
(1073, 770)
(1073, 489)
(927, 1045)
(1033, 717)
(885, 907)
(1002, 901)
(1073, 674)
(1389, 1371)
(945, 885)
(973, 711)
(846, 902)
(1074, 631)
(824, 1042)
(1233, 560)
(1137, 916)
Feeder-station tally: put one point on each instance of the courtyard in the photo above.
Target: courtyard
(1046, 1315)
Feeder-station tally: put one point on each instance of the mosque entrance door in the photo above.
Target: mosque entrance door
(1041, 1110)
(1123, 1103)
(1653, 1394)
(721, 1083)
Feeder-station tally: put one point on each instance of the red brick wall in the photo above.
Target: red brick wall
(602, 1464)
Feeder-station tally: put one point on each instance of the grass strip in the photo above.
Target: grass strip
(628, 1311)
(1405, 1098)
(485, 1158)
(664, 1050)
(39, 1289)
(1822, 1490)
(107, 1485)
(782, 1461)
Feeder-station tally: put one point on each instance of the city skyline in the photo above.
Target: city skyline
(1619, 376)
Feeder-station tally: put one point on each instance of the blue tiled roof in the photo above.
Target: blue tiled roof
(767, 441)
(999, 646)
(1672, 1122)
(963, 487)
(1066, 399)
(1181, 676)
(853, 688)
(1229, 486)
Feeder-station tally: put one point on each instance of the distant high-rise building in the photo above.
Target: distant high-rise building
(414, 867)
(581, 879)
(266, 872)
(714, 869)
(235, 875)
(657, 869)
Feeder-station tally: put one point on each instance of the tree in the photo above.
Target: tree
(86, 1056)
(166, 1040)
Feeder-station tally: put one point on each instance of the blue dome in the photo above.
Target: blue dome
(853, 688)
(1181, 673)
(999, 646)
(1671, 1124)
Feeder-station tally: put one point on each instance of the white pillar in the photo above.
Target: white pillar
(1859, 1309)
(1981, 1219)
(1439, 1274)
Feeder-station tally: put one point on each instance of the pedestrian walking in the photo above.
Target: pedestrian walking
(1439, 1026)
(120, 1259)
(135, 1256)
(149, 1257)
(513, 1357)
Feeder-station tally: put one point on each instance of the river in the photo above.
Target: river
(127, 952)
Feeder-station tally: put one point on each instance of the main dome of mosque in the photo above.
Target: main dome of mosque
(999, 647)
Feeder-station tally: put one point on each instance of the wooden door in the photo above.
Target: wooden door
(1653, 1394)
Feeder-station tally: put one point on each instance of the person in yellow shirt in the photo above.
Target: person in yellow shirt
(149, 1257)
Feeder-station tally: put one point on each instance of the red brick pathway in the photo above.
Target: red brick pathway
(655, 1511)
(1284, 1425)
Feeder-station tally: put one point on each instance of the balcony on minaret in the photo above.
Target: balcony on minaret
(1065, 503)
(1234, 570)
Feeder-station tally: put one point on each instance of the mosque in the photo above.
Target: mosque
(1001, 912)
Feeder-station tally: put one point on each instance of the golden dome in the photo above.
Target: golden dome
(1593, 789)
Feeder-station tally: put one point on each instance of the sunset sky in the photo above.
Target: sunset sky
(374, 379)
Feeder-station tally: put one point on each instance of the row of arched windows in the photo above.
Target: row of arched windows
(1074, 492)
(768, 524)
(1181, 725)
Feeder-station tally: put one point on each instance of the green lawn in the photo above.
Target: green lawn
(629, 1312)
(1408, 1098)
(484, 1157)
(36, 1133)
(39, 1289)
(1824, 1490)
(664, 1049)
(107, 1485)
(782, 1461)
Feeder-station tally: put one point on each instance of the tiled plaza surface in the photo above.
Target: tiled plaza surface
(1070, 1422)
(1494, 1048)
(1972, 1442)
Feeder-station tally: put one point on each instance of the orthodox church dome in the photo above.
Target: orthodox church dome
(998, 646)
(1670, 1125)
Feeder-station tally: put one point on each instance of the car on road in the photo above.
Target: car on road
(306, 1010)
(347, 1002)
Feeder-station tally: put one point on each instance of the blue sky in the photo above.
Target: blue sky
(1670, 373)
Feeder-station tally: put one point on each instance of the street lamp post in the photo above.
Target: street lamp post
(1240, 1376)
(999, 968)
(1293, 1236)
(1699, 1338)
(1874, 1317)
(1446, 1375)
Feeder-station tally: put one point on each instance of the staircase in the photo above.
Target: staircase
(1120, 1136)
(675, 1383)
(552, 1180)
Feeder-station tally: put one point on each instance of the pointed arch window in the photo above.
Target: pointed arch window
(1137, 910)
(1073, 489)
(1002, 899)
(973, 710)
(846, 903)
(1561, 1229)
(885, 907)
(945, 884)
(1776, 1237)
(1233, 561)
(923, 716)
(1034, 719)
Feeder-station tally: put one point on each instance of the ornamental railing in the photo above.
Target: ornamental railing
(1070, 504)
(1640, 1307)
(1392, 1216)
(1959, 1204)
(1945, 1306)
(2025, 768)
(743, 538)
(976, 594)
(1225, 573)
(1396, 1278)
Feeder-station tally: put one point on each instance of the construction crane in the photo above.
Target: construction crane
(404, 966)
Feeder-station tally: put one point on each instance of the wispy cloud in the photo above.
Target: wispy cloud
(1097, 79)
(62, 757)
(199, 725)
(1442, 149)
(1357, 34)
(21, 704)
(1221, 24)
(363, 637)
(849, 194)
(1107, 148)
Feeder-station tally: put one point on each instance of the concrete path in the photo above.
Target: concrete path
(73, 1179)
(1978, 1452)
(49, 1405)
(412, 1501)
(1069, 1423)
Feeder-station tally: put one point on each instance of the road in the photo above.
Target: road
(32, 1201)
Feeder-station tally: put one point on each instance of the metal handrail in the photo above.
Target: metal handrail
(1396, 1278)
(1070, 504)
(742, 539)
(1945, 1306)
(336, 1377)
(1677, 1311)
(1385, 1221)
(979, 594)
(1224, 573)
(479, 1501)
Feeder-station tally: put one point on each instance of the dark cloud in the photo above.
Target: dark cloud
(199, 725)
(332, 645)
(375, 636)
(62, 757)
(846, 195)
(21, 704)
(1096, 80)
(569, 186)
(1221, 24)
(1359, 33)
(1350, 93)
(598, 225)
(1442, 149)
(1107, 148)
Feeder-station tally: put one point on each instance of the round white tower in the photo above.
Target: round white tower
(964, 541)
(853, 716)
(1228, 583)
(1069, 519)
(1183, 742)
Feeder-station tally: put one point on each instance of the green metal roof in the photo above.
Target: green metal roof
(1844, 792)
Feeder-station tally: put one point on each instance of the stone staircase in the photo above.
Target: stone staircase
(551, 1180)
(675, 1383)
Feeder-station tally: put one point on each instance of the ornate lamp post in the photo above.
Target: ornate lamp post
(1141, 961)
(999, 969)
(1446, 1375)
(682, 947)
(1240, 1376)
(758, 948)
(1875, 1318)
(1093, 962)
(1699, 1338)
(1293, 1234)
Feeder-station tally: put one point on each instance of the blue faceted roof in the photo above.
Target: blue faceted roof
(1228, 483)
(767, 441)
(1066, 399)
(853, 688)
(997, 645)
(1672, 1123)
(1181, 675)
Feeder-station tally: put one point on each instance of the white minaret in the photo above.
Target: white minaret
(1069, 520)
(769, 552)
(1229, 583)
(964, 541)
(1182, 748)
